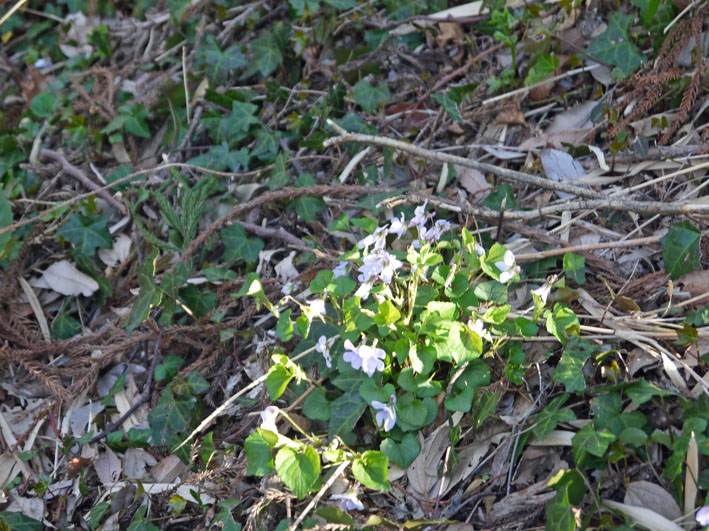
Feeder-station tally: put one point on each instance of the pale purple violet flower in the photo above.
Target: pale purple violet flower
(377, 238)
(323, 347)
(420, 217)
(703, 516)
(543, 292)
(386, 416)
(479, 249)
(435, 232)
(507, 267)
(341, 269)
(348, 501)
(370, 268)
(363, 290)
(398, 226)
(288, 288)
(389, 266)
(317, 307)
(368, 359)
(268, 419)
(478, 327)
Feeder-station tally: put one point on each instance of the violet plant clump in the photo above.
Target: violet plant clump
(402, 330)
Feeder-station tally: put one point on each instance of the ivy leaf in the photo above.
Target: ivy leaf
(589, 440)
(568, 371)
(680, 249)
(87, 233)
(370, 469)
(218, 63)
(238, 246)
(240, 119)
(298, 469)
(342, 4)
(551, 415)
(279, 174)
(200, 303)
(642, 391)
(450, 106)
(170, 416)
(402, 454)
(369, 97)
(149, 294)
(220, 158)
(267, 145)
(614, 46)
(267, 57)
(307, 207)
(544, 67)
(16, 521)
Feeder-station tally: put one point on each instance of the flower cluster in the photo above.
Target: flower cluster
(369, 359)
(323, 347)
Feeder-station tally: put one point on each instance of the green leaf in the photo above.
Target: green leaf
(167, 370)
(476, 374)
(370, 97)
(680, 249)
(574, 265)
(569, 370)
(149, 294)
(19, 522)
(450, 106)
(220, 158)
(544, 67)
(65, 327)
(335, 515)
(284, 327)
(267, 144)
(171, 416)
(307, 207)
(614, 46)
(177, 8)
(551, 415)
(279, 174)
(196, 384)
(201, 303)
(562, 323)
(402, 454)
(589, 440)
(238, 246)
(96, 513)
(387, 314)
(298, 469)
(345, 411)
(342, 4)
(316, 406)
(560, 516)
(258, 455)
(5, 221)
(43, 104)
(87, 233)
(267, 56)
(370, 469)
(216, 62)
(642, 391)
(277, 380)
(241, 118)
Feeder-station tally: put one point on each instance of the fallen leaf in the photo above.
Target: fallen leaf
(118, 253)
(652, 496)
(66, 279)
(135, 461)
(644, 517)
(559, 166)
(168, 469)
(696, 282)
(108, 467)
